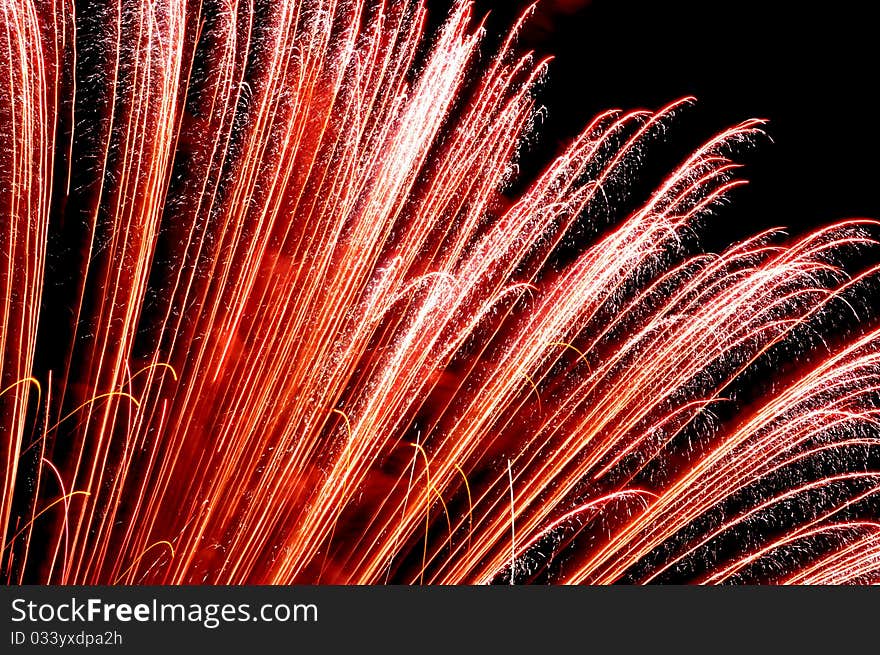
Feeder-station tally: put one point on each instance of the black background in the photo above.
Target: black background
(808, 68)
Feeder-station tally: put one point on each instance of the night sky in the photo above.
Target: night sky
(811, 73)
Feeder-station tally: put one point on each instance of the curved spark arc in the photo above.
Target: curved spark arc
(299, 255)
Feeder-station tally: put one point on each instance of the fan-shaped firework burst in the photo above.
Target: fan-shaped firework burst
(270, 315)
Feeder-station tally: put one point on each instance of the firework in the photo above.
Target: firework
(271, 314)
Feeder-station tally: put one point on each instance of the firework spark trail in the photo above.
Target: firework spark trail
(27, 113)
(776, 434)
(616, 423)
(313, 343)
(858, 558)
(141, 59)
